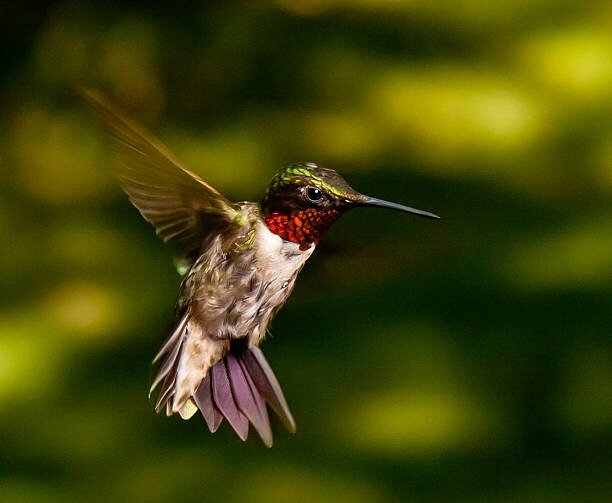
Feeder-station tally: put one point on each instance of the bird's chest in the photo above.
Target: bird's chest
(278, 260)
(237, 296)
(277, 263)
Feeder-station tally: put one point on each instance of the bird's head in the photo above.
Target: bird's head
(303, 200)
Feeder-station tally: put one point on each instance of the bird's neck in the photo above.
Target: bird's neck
(303, 227)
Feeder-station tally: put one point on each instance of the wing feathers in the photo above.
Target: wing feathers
(181, 206)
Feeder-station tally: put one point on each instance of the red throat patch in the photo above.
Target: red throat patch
(303, 227)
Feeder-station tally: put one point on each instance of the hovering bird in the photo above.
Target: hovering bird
(240, 261)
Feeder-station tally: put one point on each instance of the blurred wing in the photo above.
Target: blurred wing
(181, 206)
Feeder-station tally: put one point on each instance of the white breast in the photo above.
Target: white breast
(278, 262)
(282, 259)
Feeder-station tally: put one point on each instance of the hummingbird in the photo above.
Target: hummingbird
(239, 263)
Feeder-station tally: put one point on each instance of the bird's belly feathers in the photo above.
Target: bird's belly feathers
(236, 296)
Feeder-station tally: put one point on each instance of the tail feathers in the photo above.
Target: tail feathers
(224, 400)
(237, 389)
(172, 340)
(248, 399)
(204, 401)
(166, 375)
(265, 381)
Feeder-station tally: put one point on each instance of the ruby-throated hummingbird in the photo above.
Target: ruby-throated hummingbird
(240, 260)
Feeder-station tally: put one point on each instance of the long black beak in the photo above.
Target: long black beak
(372, 201)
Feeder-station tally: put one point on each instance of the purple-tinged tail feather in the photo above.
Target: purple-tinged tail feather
(224, 400)
(246, 401)
(237, 388)
(204, 401)
(268, 386)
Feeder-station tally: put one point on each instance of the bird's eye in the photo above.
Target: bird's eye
(314, 194)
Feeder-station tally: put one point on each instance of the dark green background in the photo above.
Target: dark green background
(466, 360)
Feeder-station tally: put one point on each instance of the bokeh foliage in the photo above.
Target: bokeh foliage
(462, 360)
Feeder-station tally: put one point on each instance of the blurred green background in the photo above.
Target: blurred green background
(466, 360)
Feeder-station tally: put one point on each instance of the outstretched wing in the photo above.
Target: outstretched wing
(181, 206)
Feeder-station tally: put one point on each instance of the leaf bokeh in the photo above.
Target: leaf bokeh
(461, 360)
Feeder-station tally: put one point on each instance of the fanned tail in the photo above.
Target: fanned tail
(237, 388)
